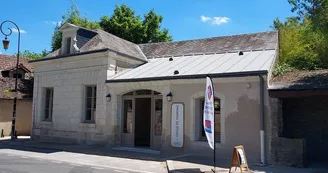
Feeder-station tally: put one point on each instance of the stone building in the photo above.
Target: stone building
(100, 89)
(300, 131)
(24, 98)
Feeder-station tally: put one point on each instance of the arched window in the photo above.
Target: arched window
(217, 112)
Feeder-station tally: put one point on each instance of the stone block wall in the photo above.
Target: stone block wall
(69, 83)
(290, 152)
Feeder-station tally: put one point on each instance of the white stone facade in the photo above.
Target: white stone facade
(69, 77)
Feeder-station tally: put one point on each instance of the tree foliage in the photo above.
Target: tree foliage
(303, 38)
(125, 24)
(33, 55)
(71, 16)
(316, 10)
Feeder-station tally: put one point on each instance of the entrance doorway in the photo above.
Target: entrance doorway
(142, 122)
(142, 116)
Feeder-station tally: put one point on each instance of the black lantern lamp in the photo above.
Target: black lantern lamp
(108, 98)
(169, 97)
(5, 43)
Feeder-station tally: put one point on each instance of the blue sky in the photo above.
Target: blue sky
(185, 19)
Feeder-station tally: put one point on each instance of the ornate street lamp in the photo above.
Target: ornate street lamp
(6, 46)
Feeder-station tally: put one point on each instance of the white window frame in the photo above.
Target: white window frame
(93, 104)
(51, 102)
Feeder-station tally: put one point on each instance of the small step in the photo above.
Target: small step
(137, 150)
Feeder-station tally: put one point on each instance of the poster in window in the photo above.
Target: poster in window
(177, 125)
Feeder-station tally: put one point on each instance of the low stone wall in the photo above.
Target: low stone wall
(23, 116)
(290, 152)
(69, 137)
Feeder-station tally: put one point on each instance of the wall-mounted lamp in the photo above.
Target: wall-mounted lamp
(108, 98)
(169, 97)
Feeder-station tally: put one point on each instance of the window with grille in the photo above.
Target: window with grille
(90, 103)
(48, 108)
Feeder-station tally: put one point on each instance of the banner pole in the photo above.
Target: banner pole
(214, 143)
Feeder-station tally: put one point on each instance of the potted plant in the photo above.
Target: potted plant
(11, 93)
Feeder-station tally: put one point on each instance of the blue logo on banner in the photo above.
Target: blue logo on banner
(208, 128)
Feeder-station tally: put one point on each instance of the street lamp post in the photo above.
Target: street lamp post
(5, 46)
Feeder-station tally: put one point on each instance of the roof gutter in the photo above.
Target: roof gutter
(198, 76)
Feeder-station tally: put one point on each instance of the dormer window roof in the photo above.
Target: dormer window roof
(69, 34)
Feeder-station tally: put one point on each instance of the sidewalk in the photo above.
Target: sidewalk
(95, 156)
(174, 163)
(197, 164)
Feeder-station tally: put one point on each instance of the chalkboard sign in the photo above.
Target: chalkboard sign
(239, 159)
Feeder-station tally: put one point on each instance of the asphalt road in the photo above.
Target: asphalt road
(21, 164)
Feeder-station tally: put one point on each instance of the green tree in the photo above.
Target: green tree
(72, 16)
(125, 24)
(303, 39)
(316, 10)
(152, 28)
(33, 55)
(56, 39)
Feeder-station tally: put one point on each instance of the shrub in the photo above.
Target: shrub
(281, 69)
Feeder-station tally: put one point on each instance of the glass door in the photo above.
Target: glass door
(127, 122)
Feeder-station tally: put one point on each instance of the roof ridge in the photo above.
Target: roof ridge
(114, 36)
(207, 38)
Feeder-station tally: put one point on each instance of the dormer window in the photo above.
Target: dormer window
(68, 45)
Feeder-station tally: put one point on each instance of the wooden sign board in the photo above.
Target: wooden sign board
(239, 159)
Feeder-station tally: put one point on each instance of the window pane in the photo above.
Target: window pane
(95, 91)
(46, 114)
(89, 92)
(88, 103)
(158, 116)
(88, 114)
(47, 104)
(217, 119)
(94, 102)
(143, 92)
(127, 116)
(48, 93)
(68, 45)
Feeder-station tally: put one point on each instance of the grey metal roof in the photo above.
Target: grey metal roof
(243, 42)
(201, 65)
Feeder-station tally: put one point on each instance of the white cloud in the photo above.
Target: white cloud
(220, 20)
(215, 20)
(16, 31)
(0, 52)
(205, 18)
(58, 23)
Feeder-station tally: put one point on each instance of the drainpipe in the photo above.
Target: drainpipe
(262, 120)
